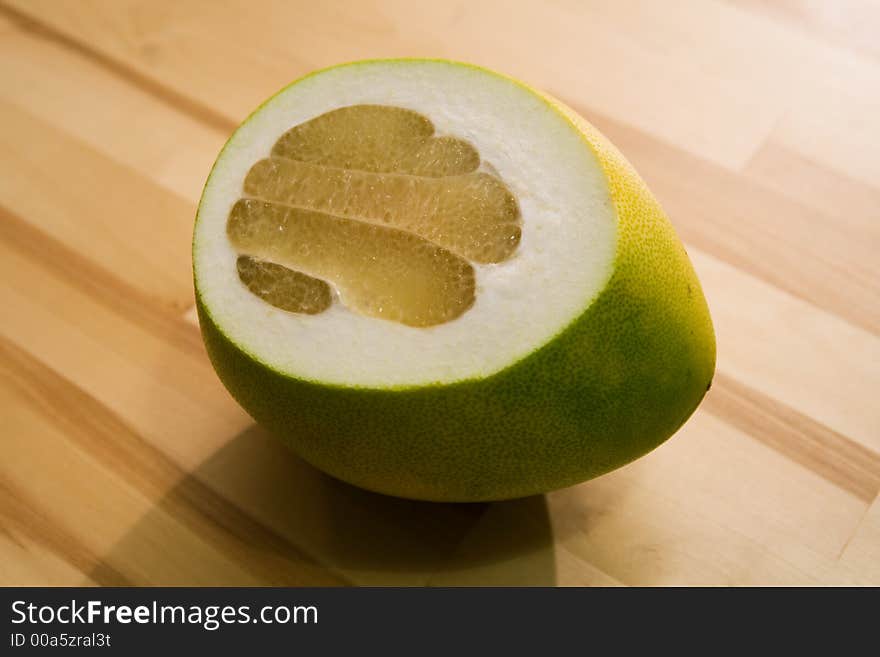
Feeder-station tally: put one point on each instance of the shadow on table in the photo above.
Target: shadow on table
(255, 513)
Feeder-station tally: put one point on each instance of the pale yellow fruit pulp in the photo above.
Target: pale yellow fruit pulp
(365, 198)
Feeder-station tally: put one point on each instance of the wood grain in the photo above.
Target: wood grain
(125, 461)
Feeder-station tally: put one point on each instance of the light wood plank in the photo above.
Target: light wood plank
(117, 119)
(787, 349)
(862, 552)
(848, 206)
(27, 562)
(831, 455)
(178, 45)
(94, 508)
(849, 24)
(133, 228)
(710, 507)
(835, 126)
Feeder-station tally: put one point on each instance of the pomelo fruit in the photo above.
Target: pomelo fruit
(435, 282)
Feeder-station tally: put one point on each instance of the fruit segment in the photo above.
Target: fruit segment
(380, 139)
(378, 271)
(284, 288)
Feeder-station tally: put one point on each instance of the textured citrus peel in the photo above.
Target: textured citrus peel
(365, 198)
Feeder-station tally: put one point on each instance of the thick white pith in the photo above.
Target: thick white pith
(563, 261)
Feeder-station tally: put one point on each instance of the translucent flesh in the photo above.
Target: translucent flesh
(473, 215)
(366, 198)
(377, 138)
(283, 287)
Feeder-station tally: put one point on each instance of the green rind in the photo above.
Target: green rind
(613, 385)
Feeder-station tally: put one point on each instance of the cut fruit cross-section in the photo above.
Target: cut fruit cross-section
(436, 282)
(365, 198)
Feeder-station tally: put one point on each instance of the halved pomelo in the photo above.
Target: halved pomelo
(435, 282)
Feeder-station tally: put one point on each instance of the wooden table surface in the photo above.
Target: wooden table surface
(126, 462)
